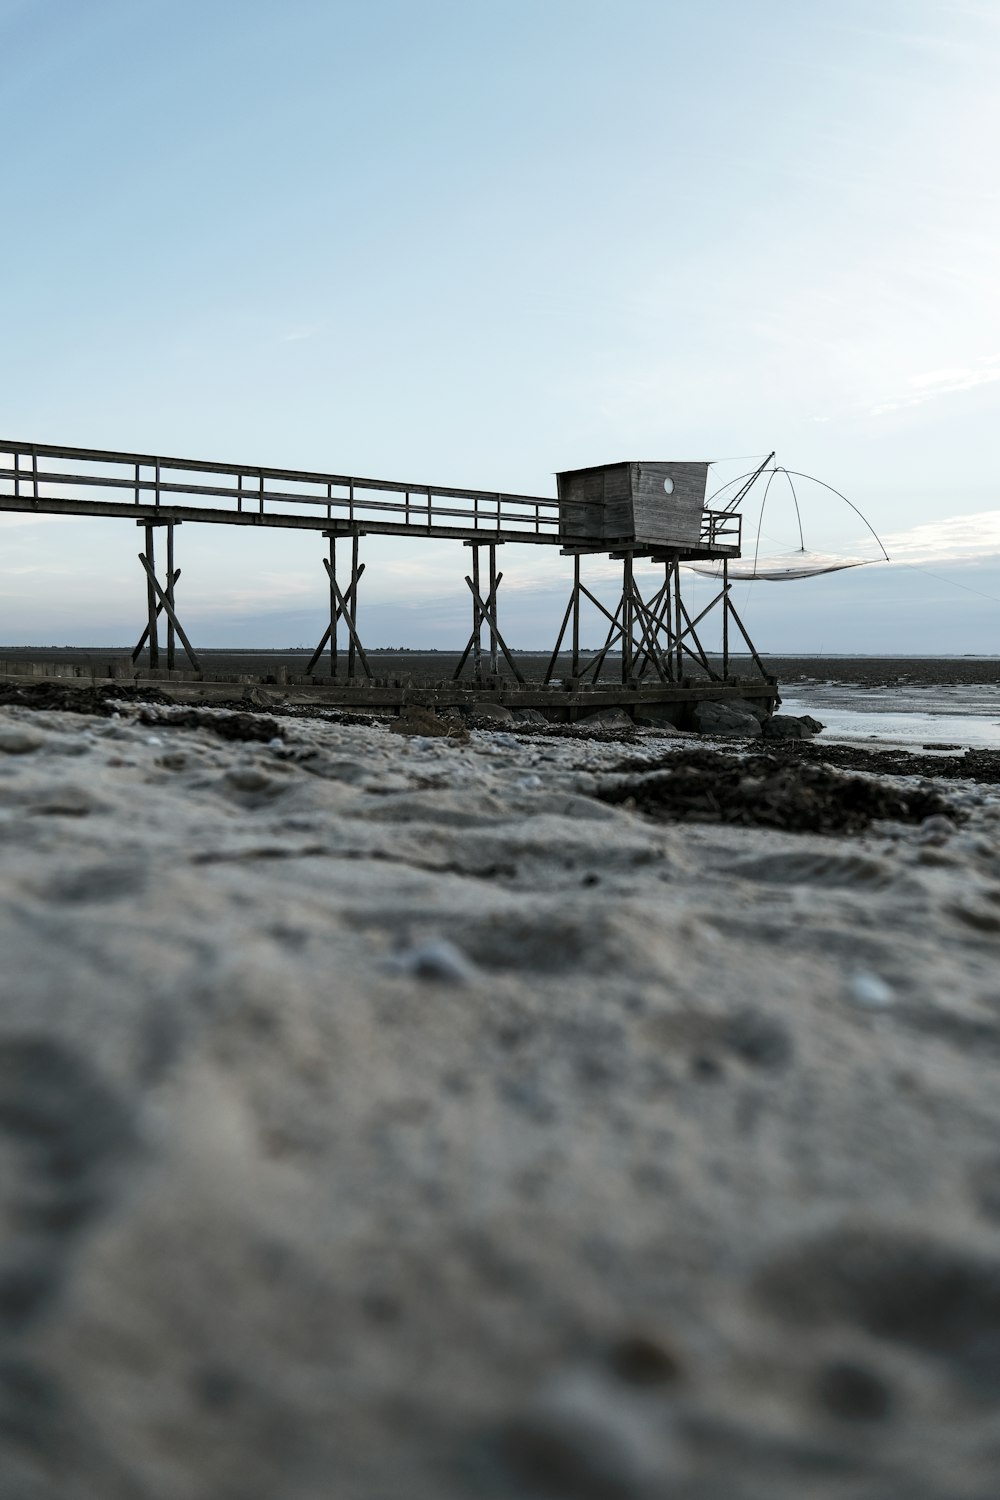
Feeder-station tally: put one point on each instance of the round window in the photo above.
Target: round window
(668, 486)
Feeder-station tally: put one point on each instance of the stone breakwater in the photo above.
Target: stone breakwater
(389, 1115)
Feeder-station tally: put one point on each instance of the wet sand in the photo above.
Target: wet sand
(390, 1116)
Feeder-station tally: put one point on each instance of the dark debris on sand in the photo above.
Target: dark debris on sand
(102, 699)
(228, 726)
(767, 791)
(971, 765)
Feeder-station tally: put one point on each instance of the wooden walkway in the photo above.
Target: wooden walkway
(57, 480)
(657, 635)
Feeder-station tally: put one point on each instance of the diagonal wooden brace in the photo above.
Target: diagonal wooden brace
(168, 607)
(347, 614)
(488, 617)
(478, 621)
(349, 599)
(145, 634)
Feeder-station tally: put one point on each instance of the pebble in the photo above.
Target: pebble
(870, 990)
(436, 959)
(583, 1437)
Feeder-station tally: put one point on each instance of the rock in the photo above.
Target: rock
(613, 715)
(791, 727)
(659, 716)
(259, 698)
(251, 779)
(529, 716)
(985, 1184)
(489, 708)
(584, 1437)
(852, 1392)
(642, 1359)
(663, 727)
(760, 1040)
(18, 739)
(423, 721)
(725, 719)
(752, 706)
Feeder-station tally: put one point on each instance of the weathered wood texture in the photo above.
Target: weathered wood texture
(617, 503)
(627, 503)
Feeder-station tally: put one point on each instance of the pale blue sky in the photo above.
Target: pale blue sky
(474, 243)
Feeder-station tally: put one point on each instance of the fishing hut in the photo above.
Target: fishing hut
(653, 512)
(633, 504)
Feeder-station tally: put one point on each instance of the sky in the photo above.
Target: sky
(475, 243)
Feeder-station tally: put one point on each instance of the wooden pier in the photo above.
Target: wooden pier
(624, 511)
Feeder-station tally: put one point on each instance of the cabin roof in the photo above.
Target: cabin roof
(595, 468)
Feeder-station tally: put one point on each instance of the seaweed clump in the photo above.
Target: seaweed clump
(768, 791)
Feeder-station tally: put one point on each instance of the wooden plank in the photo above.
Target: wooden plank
(303, 476)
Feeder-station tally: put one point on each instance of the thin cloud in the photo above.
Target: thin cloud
(934, 384)
(297, 334)
(970, 538)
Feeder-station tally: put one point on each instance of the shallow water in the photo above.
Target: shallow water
(963, 715)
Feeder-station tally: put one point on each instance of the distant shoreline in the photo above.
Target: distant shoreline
(870, 671)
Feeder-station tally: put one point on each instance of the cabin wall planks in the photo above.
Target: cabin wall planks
(650, 503)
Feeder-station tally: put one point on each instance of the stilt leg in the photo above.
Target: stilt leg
(353, 607)
(628, 618)
(170, 597)
(493, 609)
(477, 620)
(725, 619)
(154, 642)
(333, 608)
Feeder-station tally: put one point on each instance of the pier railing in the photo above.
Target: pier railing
(94, 482)
(89, 481)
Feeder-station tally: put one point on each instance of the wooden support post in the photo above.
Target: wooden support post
(334, 612)
(628, 618)
(725, 619)
(678, 627)
(477, 618)
(353, 607)
(152, 612)
(493, 611)
(575, 668)
(170, 595)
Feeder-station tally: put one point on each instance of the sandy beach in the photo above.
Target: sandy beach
(391, 1116)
